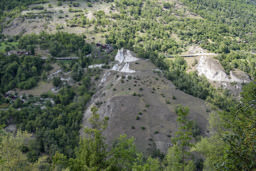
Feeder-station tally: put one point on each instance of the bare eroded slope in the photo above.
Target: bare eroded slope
(140, 102)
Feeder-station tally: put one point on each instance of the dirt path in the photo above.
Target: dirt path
(193, 55)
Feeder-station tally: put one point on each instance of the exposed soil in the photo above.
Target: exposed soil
(122, 96)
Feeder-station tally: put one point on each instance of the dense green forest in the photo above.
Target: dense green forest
(21, 72)
(48, 125)
(60, 44)
(55, 126)
(146, 28)
(235, 20)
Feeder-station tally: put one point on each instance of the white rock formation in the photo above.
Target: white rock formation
(104, 78)
(211, 69)
(214, 71)
(126, 68)
(117, 67)
(239, 77)
(120, 56)
(124, 58)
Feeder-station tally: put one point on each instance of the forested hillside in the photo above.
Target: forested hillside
(235, 20)
(58, 56)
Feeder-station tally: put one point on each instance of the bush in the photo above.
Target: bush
(59, 3)
(76, 4)
(57, 81)
(37, 8)
(90, 4)
(167, 5)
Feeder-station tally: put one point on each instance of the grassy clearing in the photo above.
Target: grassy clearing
(43, 87)
(191, 62)
(4, 105)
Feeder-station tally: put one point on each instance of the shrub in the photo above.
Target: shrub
(167, 5)
(76, 4)
(90, 4)
(57, 81)
(37, 8)
(59, 3)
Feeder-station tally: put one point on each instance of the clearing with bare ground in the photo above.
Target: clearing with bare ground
(142, 104)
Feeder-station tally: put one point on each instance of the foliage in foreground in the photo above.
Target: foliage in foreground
(231, 145)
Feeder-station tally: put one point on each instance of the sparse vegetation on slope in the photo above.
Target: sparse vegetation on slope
(153, 29)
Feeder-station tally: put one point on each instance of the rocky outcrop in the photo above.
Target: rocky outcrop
(239, 77)
(213, 71)
(124, 58)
